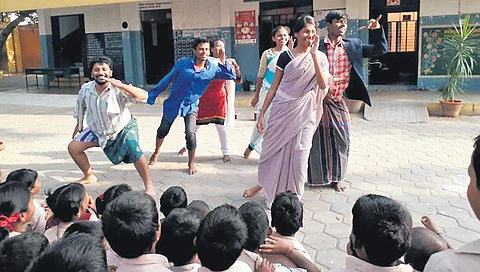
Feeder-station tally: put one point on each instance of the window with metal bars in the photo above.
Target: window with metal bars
(402, 31)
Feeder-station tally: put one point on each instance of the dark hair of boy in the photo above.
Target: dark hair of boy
(109, 195)
(476, 160)
(256, 220)
(65, 201)
(130, 224)
(79, 252)
(383, 227)
(179, 230)
(101, 60)
(93, 228)
(287, 214)
(173, 197)
(14, 198)
(24, 175)
(221, 238)
(200, 207)
(198, 41)
(16, 253)
(424, 244)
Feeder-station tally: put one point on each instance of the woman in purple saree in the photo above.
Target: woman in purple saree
(299, 86)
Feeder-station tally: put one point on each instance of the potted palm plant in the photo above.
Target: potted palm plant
(462, 47)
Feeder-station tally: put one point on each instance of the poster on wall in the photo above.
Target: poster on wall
(108, 44)
(245, 32)
(393, 2)
(320, 15)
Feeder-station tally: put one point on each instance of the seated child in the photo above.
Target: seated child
(109, 195)
(200, 207)
(78, 252)
(130, 224)
(258, 228)
(68, 204)
(287, 219)
(179, 230)
(173, 197)
(17, 252)
(30, 178)
(16, 208)
(425, 242)
(221, 237)
(93, 228)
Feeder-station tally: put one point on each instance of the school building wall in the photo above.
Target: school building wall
(432, 14)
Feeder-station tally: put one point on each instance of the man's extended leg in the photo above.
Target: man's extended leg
(191, 138)
(162, 132)
(142, 167)
(76, 149)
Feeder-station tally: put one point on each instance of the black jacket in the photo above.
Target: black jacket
(356, 51)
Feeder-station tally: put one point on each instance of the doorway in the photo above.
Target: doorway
(400, 22)
(157, 43)
(273, 14)
(68, 37)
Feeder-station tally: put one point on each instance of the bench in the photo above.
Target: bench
(53, 72)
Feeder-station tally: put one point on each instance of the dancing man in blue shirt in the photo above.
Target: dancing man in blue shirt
(190, 77)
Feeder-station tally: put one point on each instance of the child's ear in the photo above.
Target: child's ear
(195, 241)
(270, 231)
(23, 217)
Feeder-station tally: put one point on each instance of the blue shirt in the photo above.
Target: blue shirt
(188, 85)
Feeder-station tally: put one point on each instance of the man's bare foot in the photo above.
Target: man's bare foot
(87, 180)
(430, 224)
(153, 159)
(339, 186)
(247, 152)
(226, 158)
(2, 146)
(182, 151)
(252, 191)
(192, 169)
(150, 191)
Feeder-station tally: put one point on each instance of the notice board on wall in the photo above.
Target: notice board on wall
(433, 56)
(108, 44)
(245, 31)
(183, 39)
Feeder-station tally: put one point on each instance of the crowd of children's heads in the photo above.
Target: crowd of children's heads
(130, 230)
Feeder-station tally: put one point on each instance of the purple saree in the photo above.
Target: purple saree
(295, 114)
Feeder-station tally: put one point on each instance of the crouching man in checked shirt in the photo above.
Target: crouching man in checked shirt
(110, 124)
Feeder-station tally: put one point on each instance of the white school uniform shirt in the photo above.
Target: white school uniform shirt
(464, 259)
(282, 259)
(250, 257)
(144, 263)
(106, 114)
(38, 222)
(354, 264)
(193, 267)
(56, 232)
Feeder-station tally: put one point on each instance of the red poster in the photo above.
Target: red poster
(245, 27)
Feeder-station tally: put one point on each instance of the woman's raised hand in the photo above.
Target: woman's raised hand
(315, 44)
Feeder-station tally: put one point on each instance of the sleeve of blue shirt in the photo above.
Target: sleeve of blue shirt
(163, 84)
(225, 71)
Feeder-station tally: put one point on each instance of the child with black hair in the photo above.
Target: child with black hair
(109, 195)
(173, 197)
(77, 252)
(287, 219)
(68, 203)
(200, 207)
(16, 208)
(30, 178)
(221, 238)
(131, 227)
(179, 230)
(258, 229)
(17, 252)
(93, 228)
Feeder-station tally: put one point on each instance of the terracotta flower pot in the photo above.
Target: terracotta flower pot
(354, 106)
(451, 108)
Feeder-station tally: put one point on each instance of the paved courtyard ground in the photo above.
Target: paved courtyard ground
(422, 165)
